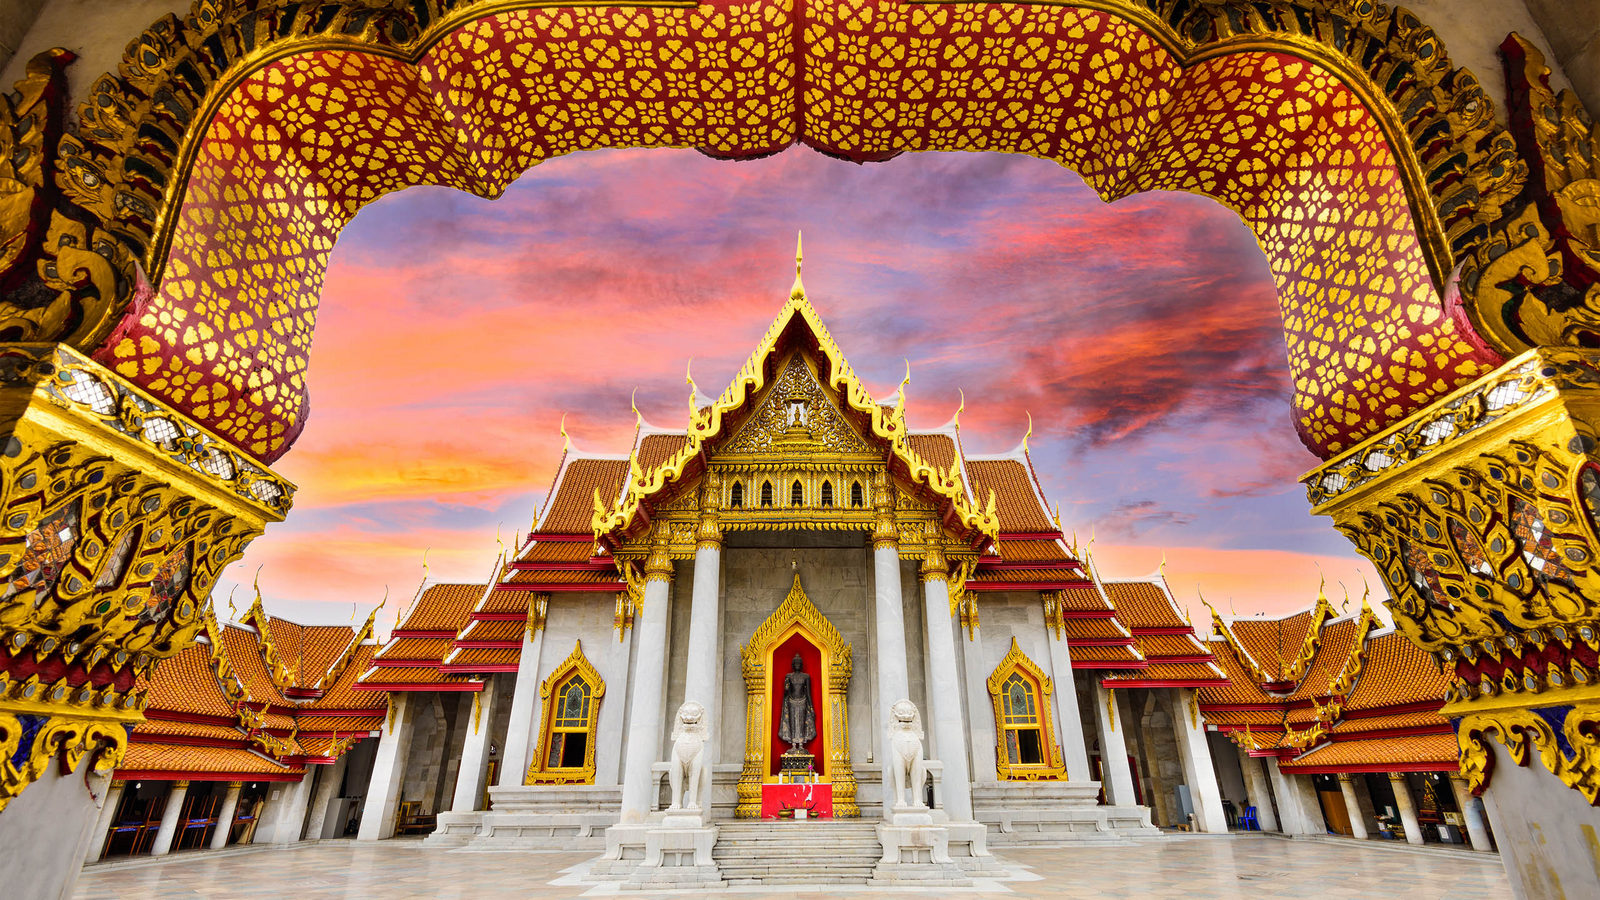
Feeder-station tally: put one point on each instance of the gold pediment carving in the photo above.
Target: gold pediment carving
(796, 415)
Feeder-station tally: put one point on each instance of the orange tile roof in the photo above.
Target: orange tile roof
(411, 676)
(1084, 598)
(1030, 551)
(1396, 672)
(572, 510)
(1333, 653)
(1104, 655)
(492, 631)
(937, 449)
(1241, 687)
(656, 449)
(340, 724)
(165, 728)
(1016, 502)
(1141, 604)
(409, 648)
(1395, 721)
(321, 647)
(285, 639)
(505, 601)
(155, 757)
(1096, 630)
(1396, 754)
(1255, 717)
(468, 658)
(1273, 643)
(243, 649)
(185, 683)
(442, 607)
(600, 578)
(1001, 576)
(342, 694)
(1159, 671)
(557, 551)
(1154, 645)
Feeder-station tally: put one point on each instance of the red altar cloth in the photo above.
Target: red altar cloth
(819, 797)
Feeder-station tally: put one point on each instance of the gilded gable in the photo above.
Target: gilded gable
(797, 413)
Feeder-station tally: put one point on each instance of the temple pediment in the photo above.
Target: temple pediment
(796, 415)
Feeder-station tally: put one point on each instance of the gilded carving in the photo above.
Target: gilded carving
(576, 710)
(1572, 754)
(1036, 690)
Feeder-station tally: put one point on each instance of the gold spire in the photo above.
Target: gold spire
(799, 289)
(566, 438)
(1027, 435)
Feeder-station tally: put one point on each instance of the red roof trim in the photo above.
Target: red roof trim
(1100, 642)
(179, 775)
(499, 617)
(1241, 707)
(1441, 728)
(488, 645)
(589, 565)
(467, 669)
(346, 713)
(1193, 659)
(435, 686)
(595, 587)
(1161, 682)
(302, 693)
(1030, 535)
(557, 538)
(404, 663)
(1109, 664)
(1164, 629)
(420, 634)
(1023, 585)
(164, 715)
(1397, 709)
(1374, 768)
(190, 740)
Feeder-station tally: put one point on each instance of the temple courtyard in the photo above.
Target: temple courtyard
(1265, 866)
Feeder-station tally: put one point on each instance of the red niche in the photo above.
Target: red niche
(778, 665)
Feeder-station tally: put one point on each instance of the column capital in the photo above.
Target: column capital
(884, 532)
(235, 785)
(180, 784)
(934, 565)
(708, 535)
(538, 609)
(1346, 778)
(1397, 777)
(658, 565)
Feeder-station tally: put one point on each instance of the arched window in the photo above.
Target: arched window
(766, 493)
(1025, 747)
(827, 493)
(736, 495)
(571, 707)
(797, 494)
(856, 498)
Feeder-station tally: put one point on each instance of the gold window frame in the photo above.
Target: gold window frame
(1017, 662)
(576, 664)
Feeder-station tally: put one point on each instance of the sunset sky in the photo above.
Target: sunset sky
(1143, 337)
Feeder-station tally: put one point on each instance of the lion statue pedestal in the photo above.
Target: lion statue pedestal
(677, 852)
(915, 848)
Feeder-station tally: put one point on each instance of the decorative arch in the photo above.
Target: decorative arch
(796, 615)
(1022, 707)
(255, 131)
(569, 710)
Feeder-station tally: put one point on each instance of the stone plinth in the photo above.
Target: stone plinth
(1050, 812)
(677, 854)
(455, 829)
(548, 817)
(915, 850)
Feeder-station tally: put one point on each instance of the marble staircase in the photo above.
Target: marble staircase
(818, 851)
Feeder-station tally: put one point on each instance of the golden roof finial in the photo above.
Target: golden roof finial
(900, 393)
(956, 419)
(233, 612)
(566, 438)
(688, 377)
(1161, 569)
(425, 563)
(1344, 605)
(799, 290)
(633, 404)
(1028, 434)
(1057, 517)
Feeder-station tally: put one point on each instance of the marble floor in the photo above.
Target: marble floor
(1190, 867)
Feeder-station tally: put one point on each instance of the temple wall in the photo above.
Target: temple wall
(589, 618)
(1003, 616)
(430, 768)
(1230, 775)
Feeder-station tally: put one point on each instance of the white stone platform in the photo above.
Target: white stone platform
(1054, 812)
(548, 817)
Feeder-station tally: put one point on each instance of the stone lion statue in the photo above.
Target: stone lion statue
(689, 736)
(906, 769)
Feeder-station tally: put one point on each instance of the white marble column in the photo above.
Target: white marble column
(705, 626)
(328, 781)
(1255, 785)
(1115, 775)
(103, 823)
(649, 686)
(523, 721)
(1471, 814)
(473, 770)
(1298, 807)
(890, 626)
(944, 688)
(388, 771)
(981, 727)
(1407, 809)
(230, 803)
(283, 816)
(167, 832)
(1195, 754)
(1352, 807)
(1074, 748)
